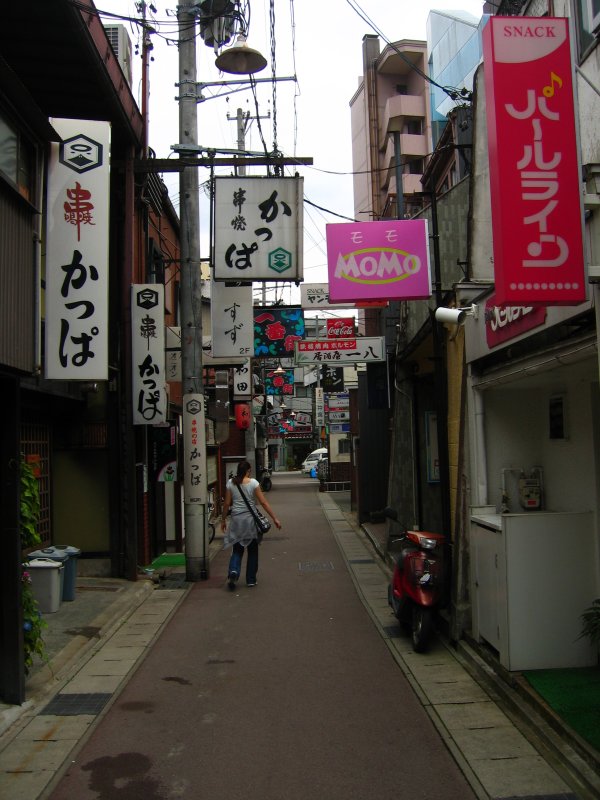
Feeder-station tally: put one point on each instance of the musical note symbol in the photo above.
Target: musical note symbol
(548, 91)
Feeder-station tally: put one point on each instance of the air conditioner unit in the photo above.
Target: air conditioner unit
(121, 44)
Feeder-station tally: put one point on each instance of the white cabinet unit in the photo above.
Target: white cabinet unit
(532, 576)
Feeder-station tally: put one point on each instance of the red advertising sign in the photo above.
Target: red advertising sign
(537, 217)
(503, 323)
(340, 328)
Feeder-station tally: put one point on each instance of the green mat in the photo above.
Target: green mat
(169, 560)
(574, 694)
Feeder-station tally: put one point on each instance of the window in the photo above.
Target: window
(344, 446)
(17, 158)
(413, 126)
(585, 15)
(415, 167)
(593, 11)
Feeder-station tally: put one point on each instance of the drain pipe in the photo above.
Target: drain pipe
(481, 485)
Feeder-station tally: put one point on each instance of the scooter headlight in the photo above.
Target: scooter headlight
(428, 544)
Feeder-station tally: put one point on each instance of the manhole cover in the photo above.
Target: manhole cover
(73, 705)
(315, 566)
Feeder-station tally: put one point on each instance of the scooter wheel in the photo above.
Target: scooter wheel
(422, 628)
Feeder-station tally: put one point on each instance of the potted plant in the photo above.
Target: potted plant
(33, 624)
(591, 624)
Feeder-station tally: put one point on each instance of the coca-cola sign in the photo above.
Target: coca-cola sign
(503, 323)
(340, 328)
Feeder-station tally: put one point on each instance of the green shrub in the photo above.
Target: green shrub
(591, 623)
(30, 506)
(33, 624)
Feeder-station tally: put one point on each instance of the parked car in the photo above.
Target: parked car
(312, 459)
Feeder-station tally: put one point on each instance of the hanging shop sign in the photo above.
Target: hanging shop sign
(339, 427)
(503, 323)
(279, 383)
(316, 295)
(348, 351)
(319, 407)
(194, 452)
(340, 328)
(332, 378)
(276, 330)
(337, 401)
(231, 316)
(149, 396)
(339, 416)
(164, 453)
(537, 219)
(76, 297)
(258, 228)
(378, 260)
(173, 353)
(242, 381)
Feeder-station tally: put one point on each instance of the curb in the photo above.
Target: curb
(566, 749)
(49, 678)
(529, 712)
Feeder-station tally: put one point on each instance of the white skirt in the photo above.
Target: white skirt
(241, 529)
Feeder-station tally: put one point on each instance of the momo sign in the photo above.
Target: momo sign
(378, 260)
(537, 219)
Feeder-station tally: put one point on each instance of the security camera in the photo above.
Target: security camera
(454, 316)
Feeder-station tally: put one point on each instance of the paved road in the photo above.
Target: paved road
(285, 690)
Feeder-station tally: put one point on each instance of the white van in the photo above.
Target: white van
(312, 460)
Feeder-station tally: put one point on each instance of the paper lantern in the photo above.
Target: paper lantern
(242, 416)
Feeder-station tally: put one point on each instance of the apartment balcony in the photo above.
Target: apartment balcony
(411, 184)
(411, 146)
(397, 109)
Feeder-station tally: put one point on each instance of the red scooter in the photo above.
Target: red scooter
(416, 588)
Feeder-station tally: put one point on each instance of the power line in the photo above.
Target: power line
(455, 94)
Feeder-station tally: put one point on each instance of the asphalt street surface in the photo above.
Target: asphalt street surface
(283, 690)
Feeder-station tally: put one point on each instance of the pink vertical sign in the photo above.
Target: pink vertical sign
(378, 260)
(537, 217)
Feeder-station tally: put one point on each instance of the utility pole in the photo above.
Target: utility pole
(197, 561)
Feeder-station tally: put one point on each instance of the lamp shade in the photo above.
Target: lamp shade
(241, 59)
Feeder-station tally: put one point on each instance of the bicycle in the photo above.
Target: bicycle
(213, 514)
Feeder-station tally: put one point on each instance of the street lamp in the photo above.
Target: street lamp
(241, 59)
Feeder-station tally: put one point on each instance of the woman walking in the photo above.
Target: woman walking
(242, 531)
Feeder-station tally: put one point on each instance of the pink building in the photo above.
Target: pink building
(391, 127)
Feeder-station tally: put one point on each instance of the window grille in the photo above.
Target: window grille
(35, 446)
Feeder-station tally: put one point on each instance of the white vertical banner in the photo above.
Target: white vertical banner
(319, 407)
(232, 319)
(148, 354)
(242, 381)
(76, 301)
(194, 450)
(173, 353)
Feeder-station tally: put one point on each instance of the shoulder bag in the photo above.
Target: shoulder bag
(262, 523)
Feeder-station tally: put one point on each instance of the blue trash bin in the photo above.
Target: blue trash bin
(54, 555)
(70, 569)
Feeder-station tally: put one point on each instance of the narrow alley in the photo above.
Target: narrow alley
(299, 686)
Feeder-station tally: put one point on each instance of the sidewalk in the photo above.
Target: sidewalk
(504, 749)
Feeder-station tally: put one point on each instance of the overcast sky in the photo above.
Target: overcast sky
(312, 114)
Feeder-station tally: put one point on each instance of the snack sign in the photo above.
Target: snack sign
(537, 219)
